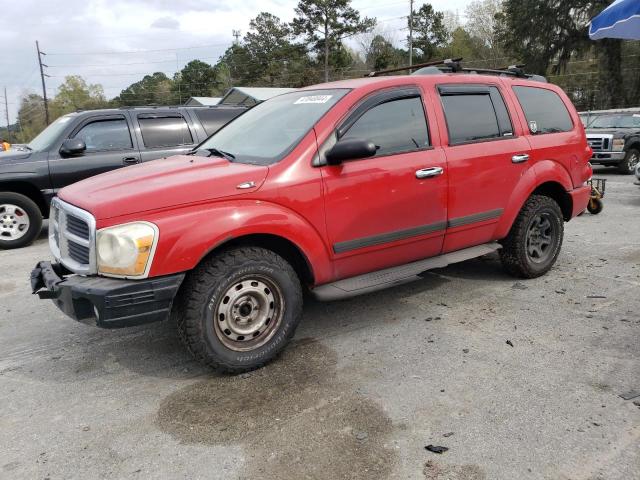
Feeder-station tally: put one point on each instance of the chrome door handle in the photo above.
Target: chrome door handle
(522, 157)
(429, 172)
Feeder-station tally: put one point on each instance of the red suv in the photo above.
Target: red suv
(341, 188)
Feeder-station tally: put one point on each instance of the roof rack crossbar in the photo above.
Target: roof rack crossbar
(453, 63)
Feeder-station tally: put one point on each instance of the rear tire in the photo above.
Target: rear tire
(535, 239)
(628, 165)
(237, 310)
(20, 220)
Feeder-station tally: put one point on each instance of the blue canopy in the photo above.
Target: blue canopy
(621, 19)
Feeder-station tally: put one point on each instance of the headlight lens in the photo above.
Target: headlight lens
(618, 144)
(126, 250)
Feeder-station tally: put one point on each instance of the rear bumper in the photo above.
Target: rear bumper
(580, 199)
(607, 157)
(106, 302)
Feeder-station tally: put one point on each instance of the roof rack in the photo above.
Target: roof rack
(454, 65)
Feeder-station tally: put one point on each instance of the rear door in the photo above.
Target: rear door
(110, 145)
(163, 133)
(486, 156)
(382, 211)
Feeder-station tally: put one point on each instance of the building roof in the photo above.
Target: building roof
(206, 101)
(251, 95)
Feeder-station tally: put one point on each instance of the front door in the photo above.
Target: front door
(109, 146)
(389, 209)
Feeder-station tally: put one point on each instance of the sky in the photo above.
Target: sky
(117, 42)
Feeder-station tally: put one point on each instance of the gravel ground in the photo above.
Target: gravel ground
(365, 386)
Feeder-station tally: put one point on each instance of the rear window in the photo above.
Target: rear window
(213, 119)
(544, 109)
(164, 130)
(474, 113)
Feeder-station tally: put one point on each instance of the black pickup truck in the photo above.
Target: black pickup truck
(615, 139)
(83, 144)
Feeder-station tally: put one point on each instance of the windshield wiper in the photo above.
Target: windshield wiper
(219, 153)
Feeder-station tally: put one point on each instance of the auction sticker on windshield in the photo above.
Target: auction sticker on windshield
(313, 99)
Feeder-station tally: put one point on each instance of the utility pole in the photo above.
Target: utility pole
(410, 32)
(44, 88)
(6, 109)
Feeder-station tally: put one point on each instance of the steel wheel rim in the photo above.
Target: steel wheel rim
(540, 238)
(633, 161)
(248, 313)
(14, 222)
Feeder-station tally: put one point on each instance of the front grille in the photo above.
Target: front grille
(72, 237)
(78, 252)
(600, 143)
(77, 227)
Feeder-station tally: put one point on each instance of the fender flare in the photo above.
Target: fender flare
(543, 172)
(190, 235)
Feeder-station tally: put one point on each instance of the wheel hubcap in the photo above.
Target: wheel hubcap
(14, 222)
(540, 238)
(248, 313)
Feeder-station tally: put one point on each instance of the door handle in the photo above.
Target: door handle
(521, 157)
(130, 160)
(429, 172)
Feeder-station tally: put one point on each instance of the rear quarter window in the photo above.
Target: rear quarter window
(544, 110)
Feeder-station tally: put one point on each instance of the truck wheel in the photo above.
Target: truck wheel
(238, 310)
(20, 220)
(534, 242)
(628, 165)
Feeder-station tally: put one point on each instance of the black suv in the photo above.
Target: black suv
(83, 144)
(615, 139)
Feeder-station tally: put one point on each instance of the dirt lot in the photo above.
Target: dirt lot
(366, 385)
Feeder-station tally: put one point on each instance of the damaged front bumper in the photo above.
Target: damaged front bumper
(106, 302)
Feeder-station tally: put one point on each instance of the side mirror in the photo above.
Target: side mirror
(72, 146)
(350, 149)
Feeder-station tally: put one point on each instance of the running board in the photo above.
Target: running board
(389, 277)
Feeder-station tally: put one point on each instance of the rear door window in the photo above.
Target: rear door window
(474, 113)
(160, 130)
(106, 134)
(213, 119)
(544, 110)
(395, 126)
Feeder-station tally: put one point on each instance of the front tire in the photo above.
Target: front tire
(20, 220)
(237, 310)
(628, 165)
(535, 239)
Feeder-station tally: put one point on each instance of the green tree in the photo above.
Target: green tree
(559, 33)
(482, 24)
(274, 60)
(381, 54)
(196, 79)
(429, 32)
(154, 89)
(76, 94)
(325, 23)
(31, 119)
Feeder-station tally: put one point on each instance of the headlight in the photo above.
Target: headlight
(618, 144)
(126, 250)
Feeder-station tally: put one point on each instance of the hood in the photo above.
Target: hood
(11, 156)
(619, 132)
(169, 182)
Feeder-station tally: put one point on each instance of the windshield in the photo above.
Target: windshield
(46, 137)
(269, 131)
(616, 121)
